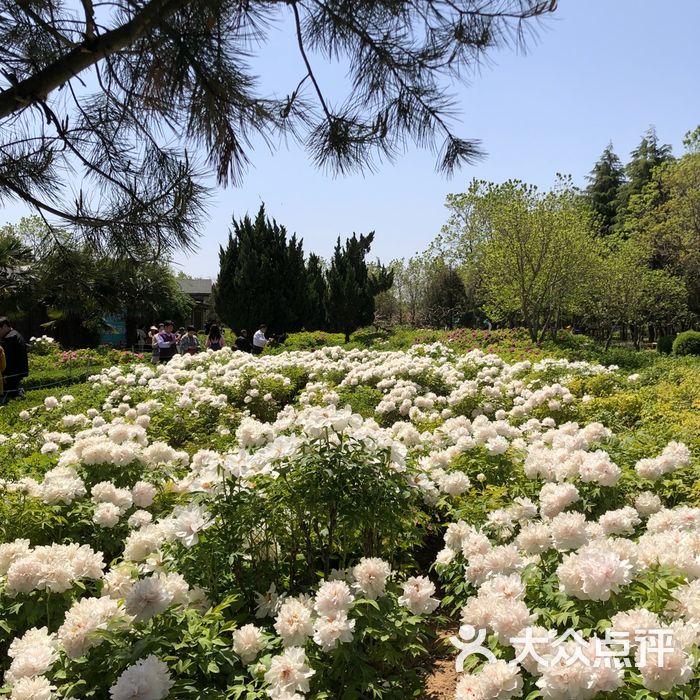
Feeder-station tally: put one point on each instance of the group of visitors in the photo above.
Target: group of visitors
(14, 363)
(166, 343)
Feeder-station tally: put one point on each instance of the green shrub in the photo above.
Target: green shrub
(362, 399)
(687, 343)
(308, 341)
(665, 344)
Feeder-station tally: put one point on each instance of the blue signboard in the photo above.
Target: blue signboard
(117, 335)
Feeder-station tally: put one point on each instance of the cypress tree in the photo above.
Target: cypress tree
(316, 293)
(295, 280)
(445, 296)
(351, 289)
(252, 286)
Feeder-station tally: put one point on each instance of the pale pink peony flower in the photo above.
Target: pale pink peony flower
(148, 597)
(267, 604)
(534, 538)
(635, 623)
(417, 592)
(333, 597)
(33, 654)
(143, 493)
(293, 622)
(38, 688)
(289, 674)
(647, 503)
(554, 498)
(501, 681)
(85, 618)
(106, 515)
(370, 576)
(619, 522)
(661, 670)
(247, 642)
(333, 628)
(569, 531)
(593, 574)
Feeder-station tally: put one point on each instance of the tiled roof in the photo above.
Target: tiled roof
(196, 285)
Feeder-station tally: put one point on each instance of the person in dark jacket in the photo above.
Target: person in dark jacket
(17, 362)
(243, 342)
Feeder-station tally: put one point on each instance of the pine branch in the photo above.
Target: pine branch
(41, 84)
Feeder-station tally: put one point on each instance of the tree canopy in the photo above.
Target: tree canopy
(603, 191)
(262, 277)
(352, 286)
(65, 283)
(104, 107)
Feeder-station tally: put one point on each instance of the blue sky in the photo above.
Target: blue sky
(600, 70)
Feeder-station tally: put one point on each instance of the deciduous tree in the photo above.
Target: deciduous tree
(537, 253)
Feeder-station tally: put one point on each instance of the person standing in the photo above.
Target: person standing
(189, 343)
(243, 341)
(215, 338)
(141, 339)
(153, 337)
(167, 343)
(259, 339)
(16, 360)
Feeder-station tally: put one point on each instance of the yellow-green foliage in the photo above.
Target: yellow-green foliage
(663, 405)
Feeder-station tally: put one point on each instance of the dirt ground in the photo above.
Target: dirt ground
(442, 677)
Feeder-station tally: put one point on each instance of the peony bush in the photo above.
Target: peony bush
(306, 524)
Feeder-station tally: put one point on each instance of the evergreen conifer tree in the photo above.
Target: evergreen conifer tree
(264, 278)
(295, 285)
(647, 156)
(119, 93)
(316, 293)
(606, 179)
(252, 286)
(351, 289)
(445, 296)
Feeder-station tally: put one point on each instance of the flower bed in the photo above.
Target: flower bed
(301, 524)
(51, 366)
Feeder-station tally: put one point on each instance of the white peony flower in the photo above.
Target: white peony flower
(85, 618)
(148, 597)
(147, 679)
(288, 674)
(293, 622)
(332, 628)
(333, 597)
(370, 576)
(417, 592)
(247, 642)
(106, 515)
(38, 688)
(189, 522)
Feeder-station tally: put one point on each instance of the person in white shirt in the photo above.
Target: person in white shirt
(259, 339)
